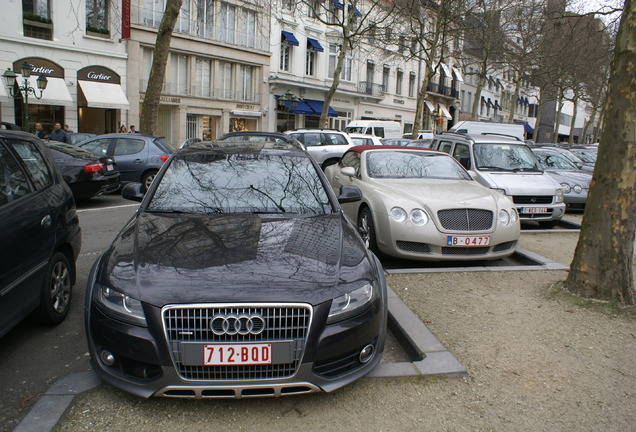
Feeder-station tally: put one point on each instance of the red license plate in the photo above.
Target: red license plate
(237, 354)
(468, 240)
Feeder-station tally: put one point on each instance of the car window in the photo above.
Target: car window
(309, 139)
(13, 183)
(361, 141)
(555, 161)
(445, 146)
(34, 162)
(240, 183)
(461, 153)
(378, 131)
(351, 159)
(127, 146)
(335, 139)
(98, 146)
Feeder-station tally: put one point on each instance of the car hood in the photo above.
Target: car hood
(440, 194)
(574, 177)
(535, 183)
(170, 259)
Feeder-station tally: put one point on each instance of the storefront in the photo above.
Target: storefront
(100, 100)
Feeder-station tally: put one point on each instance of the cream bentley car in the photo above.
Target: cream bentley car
(422, 204)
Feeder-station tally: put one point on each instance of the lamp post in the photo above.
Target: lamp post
(282, 100)
(10, 78)
(436, 116)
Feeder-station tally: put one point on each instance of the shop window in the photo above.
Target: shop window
(37, 23)
(97, 18)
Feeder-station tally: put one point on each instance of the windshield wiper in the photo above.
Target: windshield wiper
(494, 168)
(164, 211)
(527, 170)
(273, 212)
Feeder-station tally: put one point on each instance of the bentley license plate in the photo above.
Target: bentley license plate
(468, 240)
(237, 354)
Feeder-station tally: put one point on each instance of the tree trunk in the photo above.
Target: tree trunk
(602, 264)
(150, 107)
(535, 133)
(513, 103)
(575, 101)
(557, 120)
(601, 124)
(419, 105)
(586, 126)
(480, 85)
(324, 115)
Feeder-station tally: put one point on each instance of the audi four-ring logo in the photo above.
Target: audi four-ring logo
(237, 324)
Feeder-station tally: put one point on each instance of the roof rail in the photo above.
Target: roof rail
(500, 134)
(463, 134)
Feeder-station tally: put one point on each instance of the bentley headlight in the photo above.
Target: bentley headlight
(566, 187)
(577, 189)
(419, 217)
(514, 217)
(119, 305)
(352, 303)
(398, 214)
(504, 218)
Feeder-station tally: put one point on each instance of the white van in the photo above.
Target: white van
(478, 128)
(379, 128)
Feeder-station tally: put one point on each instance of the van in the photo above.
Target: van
(477, 128)
(508, 165)
(379, 128)
(421, 135)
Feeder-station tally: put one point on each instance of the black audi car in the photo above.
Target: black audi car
(238, 276)
(86, 173)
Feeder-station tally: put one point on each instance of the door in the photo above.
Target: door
(131, 155)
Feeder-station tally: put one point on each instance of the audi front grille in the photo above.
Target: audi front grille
(188, 328)
(465, 219)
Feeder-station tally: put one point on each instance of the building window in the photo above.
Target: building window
(37, 19)
(345, 74)
(412, 84)
(178, 74)
(248, 28)
(97, 16)
(153, 12)
(285, 57)
(463, 101)
(183, 20)
(398, 82)
(286, 5)
(310, 63)
(313, 8)
(146, 66)
(205, 18)
(225, 80)
(386, 71)
(227, 22)
(246, 77)
(334, 11)
(402, 44)
(204, 78)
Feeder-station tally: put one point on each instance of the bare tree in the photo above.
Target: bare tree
(602, 264)
(150, 107)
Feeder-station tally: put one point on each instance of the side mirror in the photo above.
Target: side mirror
(349, 194)
(132, 191)
(348, 171)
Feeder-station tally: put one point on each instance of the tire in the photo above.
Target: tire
(548, 224)
(146, 180)
(56, 292)
(366, 229)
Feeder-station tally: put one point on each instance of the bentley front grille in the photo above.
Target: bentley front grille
(465, 219)
(189, 329)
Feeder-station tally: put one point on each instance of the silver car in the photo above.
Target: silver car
(575, 183)
(326, 146)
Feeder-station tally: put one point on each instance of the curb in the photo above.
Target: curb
(431, 359)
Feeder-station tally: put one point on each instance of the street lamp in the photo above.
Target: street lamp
(282, 100)
(10, 78)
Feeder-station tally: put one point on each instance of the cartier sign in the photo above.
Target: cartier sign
(99, 74)
(40, 66)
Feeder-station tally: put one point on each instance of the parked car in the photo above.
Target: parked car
(508, 164)
(578, 162)
(87, 174)
(422, 143)
(396, 141)
(39, 233)
(422, 204)
(379, 128)
(138, 156)
(575, 183)
(78, 137)
(238, 276)
(586, 153)
(361, 139)
(325, 145)
(259, 136)
(421, 135)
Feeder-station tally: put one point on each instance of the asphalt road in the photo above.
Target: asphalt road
(32, 357)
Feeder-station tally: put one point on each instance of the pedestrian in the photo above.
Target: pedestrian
(67, 129)
(132, 129)
(39, 132)
(58, 134)
(123, 129)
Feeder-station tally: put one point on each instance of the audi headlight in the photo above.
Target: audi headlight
(398, 214)
(566, 187)
(504, 217)
(559, 196)
(419, 217)
(352, 303)
(119, 305)
(577, 189)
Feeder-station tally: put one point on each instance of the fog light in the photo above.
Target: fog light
(107, 357)
(366, 354)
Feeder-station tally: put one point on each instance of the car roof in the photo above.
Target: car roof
(363, 148)
(125, 135)
(242, 147)
(485, 137)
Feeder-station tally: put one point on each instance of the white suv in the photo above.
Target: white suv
(326, 146)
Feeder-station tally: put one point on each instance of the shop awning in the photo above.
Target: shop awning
(317, 105)
(457, 74)
(337, 4)
(356, 12)
(445, 112)
(244, 113)
(56, 92)
(289, 38)
(104, 95)
(529, 129)
(430, 106)
(446, 69)
(314, 45)
(308, 107)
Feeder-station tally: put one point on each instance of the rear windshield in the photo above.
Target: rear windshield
(70, 150)
(165, 145)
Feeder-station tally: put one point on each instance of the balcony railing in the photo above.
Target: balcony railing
(442, 89)
(372, 89)
(172, 89)
(202, 29)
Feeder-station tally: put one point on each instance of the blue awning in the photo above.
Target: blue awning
(356, 12)
(317, 105)
(289, 38)
(337, 4)
(526, 102)
(314, 45)
(529, 129)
